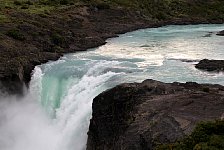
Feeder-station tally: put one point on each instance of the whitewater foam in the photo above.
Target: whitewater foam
(54, 114)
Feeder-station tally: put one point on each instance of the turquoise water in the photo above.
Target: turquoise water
(61, 92)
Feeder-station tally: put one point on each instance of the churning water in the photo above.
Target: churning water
(55, 113)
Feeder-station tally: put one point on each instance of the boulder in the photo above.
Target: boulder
(210, 65)
(220, 33)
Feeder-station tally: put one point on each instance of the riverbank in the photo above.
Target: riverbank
(42, 38)
(32, 35)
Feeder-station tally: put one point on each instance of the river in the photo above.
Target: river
(54, 114)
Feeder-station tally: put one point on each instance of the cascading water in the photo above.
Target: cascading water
(55, 113)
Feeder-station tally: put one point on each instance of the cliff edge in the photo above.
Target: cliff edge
(139, 116)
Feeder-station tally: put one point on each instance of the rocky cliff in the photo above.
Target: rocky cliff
(138, 116)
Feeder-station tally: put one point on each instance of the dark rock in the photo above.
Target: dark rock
(211, 65)
(12, 85)
(221, 33)
(138, 116)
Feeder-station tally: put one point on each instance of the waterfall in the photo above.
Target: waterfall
(54, 114)
(67, 101)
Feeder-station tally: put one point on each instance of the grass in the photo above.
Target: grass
(159, 9)
(27, 6)
(40, 9)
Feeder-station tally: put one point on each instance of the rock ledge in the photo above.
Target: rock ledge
(137, 116)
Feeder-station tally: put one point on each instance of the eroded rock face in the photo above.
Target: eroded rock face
(211, 65)
(137, 116)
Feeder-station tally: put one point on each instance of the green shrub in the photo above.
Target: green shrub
(71, 3)
(57, 39)
(15, 34)
(3, 18)
(47, 2)
(54, 2)
(29, 3)
(8, 7)
(25, 7)
(17, 2)
(206, 136)
(64, 2)
(103, 6)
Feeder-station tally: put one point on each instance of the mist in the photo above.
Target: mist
(24, 125)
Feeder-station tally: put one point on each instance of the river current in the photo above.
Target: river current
(55, 112)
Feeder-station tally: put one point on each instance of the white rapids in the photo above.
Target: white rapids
(55, 112)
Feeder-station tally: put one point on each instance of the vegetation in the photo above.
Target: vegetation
(206, 136)
(3, 18)
(52, 25)
(14, 33)
(57, 39)
(156, 9)
(168, 9)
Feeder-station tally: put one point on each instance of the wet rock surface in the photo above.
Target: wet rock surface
(221, 33)
(210, 65)
(138, 116)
